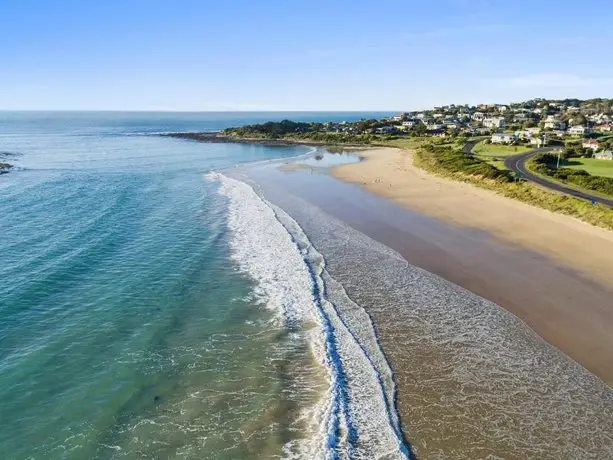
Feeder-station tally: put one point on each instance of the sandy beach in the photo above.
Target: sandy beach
(552, 271)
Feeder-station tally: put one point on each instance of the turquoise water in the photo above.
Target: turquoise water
(126, 329)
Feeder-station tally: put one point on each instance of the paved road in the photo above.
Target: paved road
(470, 145)
(517, 164)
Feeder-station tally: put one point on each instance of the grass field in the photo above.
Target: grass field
(594, 167)
(494, 150)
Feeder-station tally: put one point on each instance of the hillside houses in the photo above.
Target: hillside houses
(521, 122)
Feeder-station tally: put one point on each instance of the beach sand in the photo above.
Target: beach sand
(552, 271)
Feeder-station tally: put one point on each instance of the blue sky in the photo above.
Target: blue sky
(289, 55)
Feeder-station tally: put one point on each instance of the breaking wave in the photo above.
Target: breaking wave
(356, 417)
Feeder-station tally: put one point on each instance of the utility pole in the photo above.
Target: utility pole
(559, 155)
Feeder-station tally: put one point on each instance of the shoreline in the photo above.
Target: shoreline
(469, 374)
(552, 271)
(581, 273)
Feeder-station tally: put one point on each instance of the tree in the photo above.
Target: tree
(317, 127)
(418, 129)
(573, 149)
(578, 119)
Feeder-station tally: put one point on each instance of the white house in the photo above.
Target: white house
(524, 134)
(537, 142)
(608, 155)
(578, 131)
(495, 122)
(501, 138)
(478, 116)
(555, 124)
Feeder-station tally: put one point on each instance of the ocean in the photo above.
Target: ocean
(163, 298)
(132, 322)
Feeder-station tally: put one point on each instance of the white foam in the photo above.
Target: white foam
(356, 417)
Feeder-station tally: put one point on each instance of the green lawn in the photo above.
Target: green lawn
(594, 167)
(495, 150)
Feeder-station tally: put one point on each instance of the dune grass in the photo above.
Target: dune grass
(438, 162)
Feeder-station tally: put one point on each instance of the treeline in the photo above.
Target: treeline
(271, 129)
(299, 131)
(453, 160)
(546, 164)
(335, 138)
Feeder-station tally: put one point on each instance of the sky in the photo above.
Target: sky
(242, 55)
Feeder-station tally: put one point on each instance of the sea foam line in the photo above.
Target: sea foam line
(382, 369)
(357, 419)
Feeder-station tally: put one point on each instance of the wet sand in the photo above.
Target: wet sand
(551, 271)
(472, 380)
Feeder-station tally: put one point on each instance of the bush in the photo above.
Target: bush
(457, 162)
(598, 214)
(545, 165)
(271, 129)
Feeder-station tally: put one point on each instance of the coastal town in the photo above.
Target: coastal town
(537, 123)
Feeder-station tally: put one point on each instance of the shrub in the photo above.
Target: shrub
(457, 162)
(545, 164)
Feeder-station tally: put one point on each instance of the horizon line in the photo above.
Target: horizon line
(206, 111)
